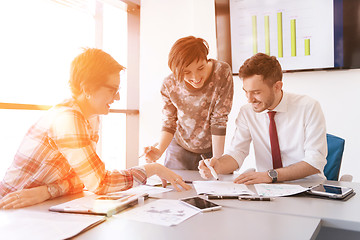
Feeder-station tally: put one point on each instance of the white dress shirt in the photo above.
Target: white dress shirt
(301, 132)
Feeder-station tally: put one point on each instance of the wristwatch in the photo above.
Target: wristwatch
(273, 174)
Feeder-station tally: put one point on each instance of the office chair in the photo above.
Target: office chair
(335, 152)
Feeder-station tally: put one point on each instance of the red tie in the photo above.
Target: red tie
(274, 141)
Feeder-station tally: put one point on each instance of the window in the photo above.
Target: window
(39, 40)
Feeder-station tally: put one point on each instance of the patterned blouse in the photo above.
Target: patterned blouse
(194, 115)
(60, 151)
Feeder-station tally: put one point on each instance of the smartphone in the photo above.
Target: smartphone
(331, 191)
(200, 204)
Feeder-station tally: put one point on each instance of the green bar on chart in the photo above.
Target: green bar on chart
(307, 47)
(267, 35)
(254, 34)
(293, 37)
(280, 34)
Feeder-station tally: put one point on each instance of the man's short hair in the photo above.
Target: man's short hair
(90, 69)
(264, 65)
(185, 51)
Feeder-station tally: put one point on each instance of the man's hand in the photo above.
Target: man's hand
(253, 178)
(204, 170)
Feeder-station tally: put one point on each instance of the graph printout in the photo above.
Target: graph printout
(165, 212)
(299, 33)
(279, 190)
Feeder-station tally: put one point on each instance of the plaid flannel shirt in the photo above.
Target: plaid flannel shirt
(60, 151)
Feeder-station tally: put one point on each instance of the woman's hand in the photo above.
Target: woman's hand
(166, 175)
(152, 154)
(25, 197)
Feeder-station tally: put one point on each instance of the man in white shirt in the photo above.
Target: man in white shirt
(300, 128)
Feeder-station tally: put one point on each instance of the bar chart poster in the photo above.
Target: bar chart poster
(299, 33)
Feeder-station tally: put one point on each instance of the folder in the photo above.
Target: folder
(106, 205)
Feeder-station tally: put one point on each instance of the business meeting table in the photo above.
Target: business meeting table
(292, 217)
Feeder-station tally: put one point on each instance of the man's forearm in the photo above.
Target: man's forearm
(226, 165)
(296, 171)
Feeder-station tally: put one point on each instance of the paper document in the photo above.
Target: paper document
(221, 188)
(100, 204)
(165, 212)
(24, 224)
(146, 189)
(154, 180)
(279, 190)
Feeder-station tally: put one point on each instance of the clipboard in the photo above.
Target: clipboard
(106, 205)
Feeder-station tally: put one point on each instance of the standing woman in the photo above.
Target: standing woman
(197, 100)
(58, 154)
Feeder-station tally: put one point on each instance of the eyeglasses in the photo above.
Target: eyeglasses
(114, 90)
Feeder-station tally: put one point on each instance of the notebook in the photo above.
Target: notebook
(106, 205)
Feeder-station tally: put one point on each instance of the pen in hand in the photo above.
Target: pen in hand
(154, 145)
(212, 170)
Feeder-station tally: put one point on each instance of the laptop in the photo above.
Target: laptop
(106, 205)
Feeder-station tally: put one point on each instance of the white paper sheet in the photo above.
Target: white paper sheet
(221, 188)
(154, 180)
(147, 189)
(165, 212)
(22, 224)
(279, 190)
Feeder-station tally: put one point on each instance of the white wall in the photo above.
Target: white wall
(164, 21)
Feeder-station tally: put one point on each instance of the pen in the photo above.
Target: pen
(212, 170)
(221, 197)
(154, 145)
(248, 198)
(252, 198)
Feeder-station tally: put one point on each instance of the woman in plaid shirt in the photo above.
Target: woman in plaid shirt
(58, 154)
(197, 100)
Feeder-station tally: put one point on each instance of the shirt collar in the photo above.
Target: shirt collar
(282, 106)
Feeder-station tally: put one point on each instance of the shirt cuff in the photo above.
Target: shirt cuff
(236, 156)
(166, 129)
(220, 131)
(139, 175)
(316, 162)
(54, 190)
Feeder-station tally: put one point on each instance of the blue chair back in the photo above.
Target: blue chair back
(334, 157)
